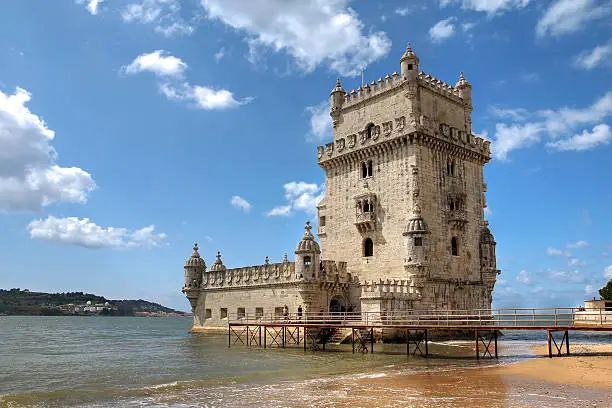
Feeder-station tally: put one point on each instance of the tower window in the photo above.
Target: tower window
(322, 221)
(207, 313)
(409, 67)
(240, 313)
(418, 241)
(367, 206)
(368, 247)
(258, 312)
(369, 131)
(454, 247)
(370, 172)
(367, 169)
(451, 167)
(453, 207)
(223, 313)
(307, 260)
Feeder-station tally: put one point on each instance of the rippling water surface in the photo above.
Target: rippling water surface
(154, 362)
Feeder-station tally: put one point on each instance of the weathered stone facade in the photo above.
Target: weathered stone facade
(402, 223)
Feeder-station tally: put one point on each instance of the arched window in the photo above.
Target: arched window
(453, 165)
(370, 172)
(369, 131)
(364, 170)
(454, 247)
(368, 247)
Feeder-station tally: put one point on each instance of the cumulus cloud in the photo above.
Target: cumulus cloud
(578, 244)
(487, 6)
(170, 72)
(568, 16)
(84, 232)
(608, 272)
(600, 55)
(559, 125)
(320, 122)
(300, 196)
(312, 32)
(524, 277)
(91, 5)
(589, 290)
(587, 140)
(29, 176)
(158, 62)
(164, 14)
(240, 203)
(575, 262)
(442, 30)
(558, 252)
(575, 276)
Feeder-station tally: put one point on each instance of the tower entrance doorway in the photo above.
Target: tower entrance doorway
(337, 305)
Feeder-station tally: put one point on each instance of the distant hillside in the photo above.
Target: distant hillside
(24, 302)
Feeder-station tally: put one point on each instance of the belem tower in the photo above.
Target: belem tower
(402, 223)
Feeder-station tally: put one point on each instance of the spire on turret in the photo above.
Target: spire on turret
(409, 64)
(464, 88)
(307, 244)
(218, 264)
(337, 97)
(462, 83)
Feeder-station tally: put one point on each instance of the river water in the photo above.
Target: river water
(155, 362)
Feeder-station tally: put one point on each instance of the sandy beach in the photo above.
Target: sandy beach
(583, 379)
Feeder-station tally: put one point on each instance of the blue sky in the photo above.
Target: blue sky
(130, 129)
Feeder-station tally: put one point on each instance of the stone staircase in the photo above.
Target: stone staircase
(339, 334)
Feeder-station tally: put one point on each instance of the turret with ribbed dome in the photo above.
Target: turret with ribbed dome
(218, 266)
(416, 241)
(194, 268)
(307, 255)
(409, 64)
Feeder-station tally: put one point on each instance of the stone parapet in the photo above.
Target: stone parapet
(250, 276)
(388, 289)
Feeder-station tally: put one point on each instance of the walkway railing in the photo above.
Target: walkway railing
(476, 318)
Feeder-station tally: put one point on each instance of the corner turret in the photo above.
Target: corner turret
(307, 256)
(464, 88)
(194, 268)
(409, 64)
(336, 100)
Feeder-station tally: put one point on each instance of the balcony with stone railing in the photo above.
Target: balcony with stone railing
(457, 218)
(365, 221)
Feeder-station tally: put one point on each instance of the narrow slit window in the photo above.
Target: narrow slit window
(370, 168)
(454, 247)
(368, 247)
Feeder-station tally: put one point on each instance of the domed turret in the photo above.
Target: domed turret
(416, 238)
(409, 64)
(337, 96)
(487, 248)
(307, 255)
(464, 88)
(218, 266)
(194, 268)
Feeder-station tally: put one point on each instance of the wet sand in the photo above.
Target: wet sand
(580, 380)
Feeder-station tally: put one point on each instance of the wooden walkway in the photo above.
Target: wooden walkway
(315, 331)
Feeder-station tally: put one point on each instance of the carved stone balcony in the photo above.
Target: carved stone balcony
(365, 221)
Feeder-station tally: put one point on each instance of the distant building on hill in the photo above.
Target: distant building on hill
(402, 223)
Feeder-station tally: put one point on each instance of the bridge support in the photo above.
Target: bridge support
(486, 337)
(558, 346)
(417, 344)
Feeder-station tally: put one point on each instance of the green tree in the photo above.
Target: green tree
(606, 291)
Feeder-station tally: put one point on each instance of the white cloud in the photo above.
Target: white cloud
(600, 55)
(566, 276)
(165, 14)
(442, 30)
(508, 138)
(601, 135)
(487, 6)
(608, 272)
(578, 244)
(575, 262)
(312, 32)
(568, 16)
(29, 177)
(488, 212)
(169, 69)
(555, 123)
(91, 5)
(281, 210)
(220, 54)
(158, 62)
(515, 114)
(202, 97)
(589, 290)
(86, 233)
(320, 122)
(300, 196)
(467, 26)
(403, 11)
(524, 277)
(558, 252)
(530, 77)
(241, 203)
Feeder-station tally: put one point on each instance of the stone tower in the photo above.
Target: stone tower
(404, 205)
